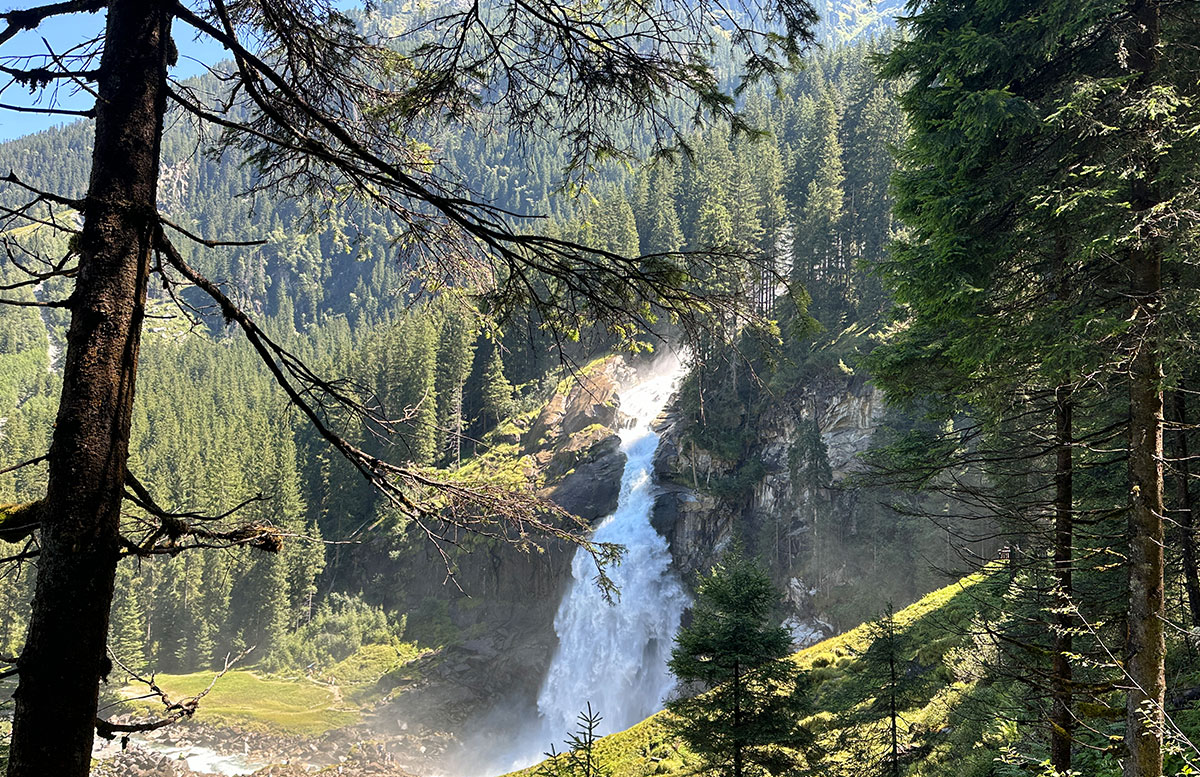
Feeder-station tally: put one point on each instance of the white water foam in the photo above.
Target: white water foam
(614, 656)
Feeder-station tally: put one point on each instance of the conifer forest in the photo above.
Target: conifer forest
(621, 388)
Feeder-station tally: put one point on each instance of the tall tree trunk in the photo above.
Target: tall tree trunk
(1145, 649)
(1061, 716)
(1187, 518)
(64, 656)
(893, 680)
(738, 738)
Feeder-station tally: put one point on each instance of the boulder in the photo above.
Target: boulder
(586, 400)
(591, 488)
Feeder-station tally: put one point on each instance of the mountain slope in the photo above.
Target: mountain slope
(844, 21)
(953, 675)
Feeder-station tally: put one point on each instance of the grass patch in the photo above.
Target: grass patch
(371, 662)
(247, 700)
(372, 671)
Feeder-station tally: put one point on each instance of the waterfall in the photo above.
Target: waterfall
(615, 655)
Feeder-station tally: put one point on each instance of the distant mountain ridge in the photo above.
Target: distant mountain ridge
(845, 21)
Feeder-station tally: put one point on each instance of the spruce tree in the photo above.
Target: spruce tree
(127, 637)
(496, 393)
(820, 262)
(743, 718)
(659, 227)
(455, 352)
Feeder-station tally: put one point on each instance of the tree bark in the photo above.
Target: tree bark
(1062, 720)
(64, 657)
(1187, 518)
(1145, 649)
(738, 742)
(893, 680)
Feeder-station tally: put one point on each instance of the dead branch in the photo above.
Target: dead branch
(19, 519)
(209, 243)
(24, 464)
(175, 711)
(42, 194)
(21, 19)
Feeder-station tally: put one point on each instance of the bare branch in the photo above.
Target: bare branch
(175, 711)
(209, 243)
(88, 113)
(42, 194)
(24, 464)
(21, 19)
(172, 533)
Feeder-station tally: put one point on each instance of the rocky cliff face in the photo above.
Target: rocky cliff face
(777, 502)
(500, 633)
(574, 440)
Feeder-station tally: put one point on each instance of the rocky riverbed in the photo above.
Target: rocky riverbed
(196, 750)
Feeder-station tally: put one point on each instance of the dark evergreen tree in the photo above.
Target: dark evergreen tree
(658, 222)
(496, 393)
(749, 697)
(455, 352)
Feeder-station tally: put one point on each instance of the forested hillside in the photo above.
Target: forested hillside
(212, 432)
(933, 293)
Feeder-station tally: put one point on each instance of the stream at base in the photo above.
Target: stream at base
(199, 759)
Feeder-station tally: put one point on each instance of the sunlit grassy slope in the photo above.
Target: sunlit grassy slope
(332, 699)
(246, 700)
(938, 630)
(960, 721)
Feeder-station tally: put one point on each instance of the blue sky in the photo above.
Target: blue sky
(62, 33)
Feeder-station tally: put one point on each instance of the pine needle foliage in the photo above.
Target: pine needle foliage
(744, 718)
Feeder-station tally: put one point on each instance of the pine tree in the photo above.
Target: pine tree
(455, 352)
(127, 637)
(744, 718)
(820, 262)
(891, 682)
(496, 393)
(617, 226)
(417, 389)
(659, 226)
(304, 558)
(580, 758)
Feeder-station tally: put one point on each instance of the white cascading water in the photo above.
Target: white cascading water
(615, 655)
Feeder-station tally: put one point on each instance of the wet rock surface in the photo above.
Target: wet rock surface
(698, 523)
(592, 484)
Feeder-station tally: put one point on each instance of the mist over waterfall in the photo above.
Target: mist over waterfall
(615, 656)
